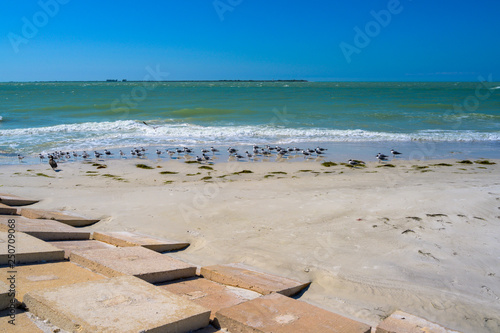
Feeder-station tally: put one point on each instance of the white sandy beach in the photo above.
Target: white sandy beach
(372, 240)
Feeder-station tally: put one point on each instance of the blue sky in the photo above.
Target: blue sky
(422, 40)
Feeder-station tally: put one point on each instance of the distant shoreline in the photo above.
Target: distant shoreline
(126, 81)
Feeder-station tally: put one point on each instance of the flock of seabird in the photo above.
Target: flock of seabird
(207, 155)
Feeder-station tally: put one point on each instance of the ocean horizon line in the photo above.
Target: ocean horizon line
(256, 81)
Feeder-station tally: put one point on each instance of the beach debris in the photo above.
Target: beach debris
(485, 162)
(328, 164)
(144, 166)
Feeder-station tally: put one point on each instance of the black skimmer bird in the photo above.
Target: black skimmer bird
(250, 156)
(85, 155)
(394, 153)
(97, 154)
(381, 157)
(122, 154)
(204, 151)
(213, 150)
(52, 163)
(199, 159)
(20, 158)
(281, 153)
(319, 152)
(75, 154)
(158, 152)
(232, 150)
(107, 152)
(354, 163)
(306, 154)
(187, 150)
(266, 153)
(205, 157)
(321, 149)
(170, 152)
(42, 157)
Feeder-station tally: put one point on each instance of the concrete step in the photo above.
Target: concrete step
(242, 276)
(124, 238)
(5, 297)
(145, 264)
(209, 294)
(14, 200)
(21, 319)
(80, 245)
(120, 304)
(49, 275)
(7, 210)
(44, 229)
(27, 249)
(401, 321)
(280, 314)
(64, 217)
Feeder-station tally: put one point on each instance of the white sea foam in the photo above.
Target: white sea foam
(131, 133)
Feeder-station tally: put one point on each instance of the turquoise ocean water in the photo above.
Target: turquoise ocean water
(42, 117)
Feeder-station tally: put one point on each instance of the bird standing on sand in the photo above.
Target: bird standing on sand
(381, 157)
(354, 163)
(52, 163)
(394, 153)
(42, 157)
